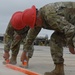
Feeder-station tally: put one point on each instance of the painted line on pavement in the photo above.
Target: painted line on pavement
(23, 70)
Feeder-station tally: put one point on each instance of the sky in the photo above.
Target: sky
(8, 7)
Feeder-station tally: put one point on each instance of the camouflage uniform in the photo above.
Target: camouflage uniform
(13, 39)
(59, 17)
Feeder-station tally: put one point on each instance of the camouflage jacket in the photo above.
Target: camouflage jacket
(10, 35)
(56, 16)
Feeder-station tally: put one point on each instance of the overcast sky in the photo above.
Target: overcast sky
(8, 7)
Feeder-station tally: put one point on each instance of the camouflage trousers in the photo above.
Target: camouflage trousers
(64, 32)
(15, 46)
(57, 42)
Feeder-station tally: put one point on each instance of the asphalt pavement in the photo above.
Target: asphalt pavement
(40, 62)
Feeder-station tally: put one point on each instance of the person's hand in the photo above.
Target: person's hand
(6, 55)
(24, 57)
(17, 37)
(71, 49)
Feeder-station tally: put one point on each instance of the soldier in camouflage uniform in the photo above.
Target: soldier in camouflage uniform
(60, 17)
(12, 40)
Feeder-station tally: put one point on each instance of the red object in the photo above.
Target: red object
(7, 61)
(29, 16)
(25, 63)
(23, 70)
(16, 21)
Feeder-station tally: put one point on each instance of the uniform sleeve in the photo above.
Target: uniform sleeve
(32, 33)
(8, 36)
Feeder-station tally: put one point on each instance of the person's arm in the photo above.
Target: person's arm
(32, 33)
(8, 36)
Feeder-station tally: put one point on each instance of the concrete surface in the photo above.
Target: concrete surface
(40, 62)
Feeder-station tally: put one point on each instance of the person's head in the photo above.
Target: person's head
(31, 17)
(16, 21)
(28, 17)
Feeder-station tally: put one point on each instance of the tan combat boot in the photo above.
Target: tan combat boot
(13, 60)
(59, 70)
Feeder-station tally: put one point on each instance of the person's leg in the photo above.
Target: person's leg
(56, 44)
(15, 51)
(15, 46)
(31, 51)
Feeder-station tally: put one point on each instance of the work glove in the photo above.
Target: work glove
(24, 56)
(6, 55)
